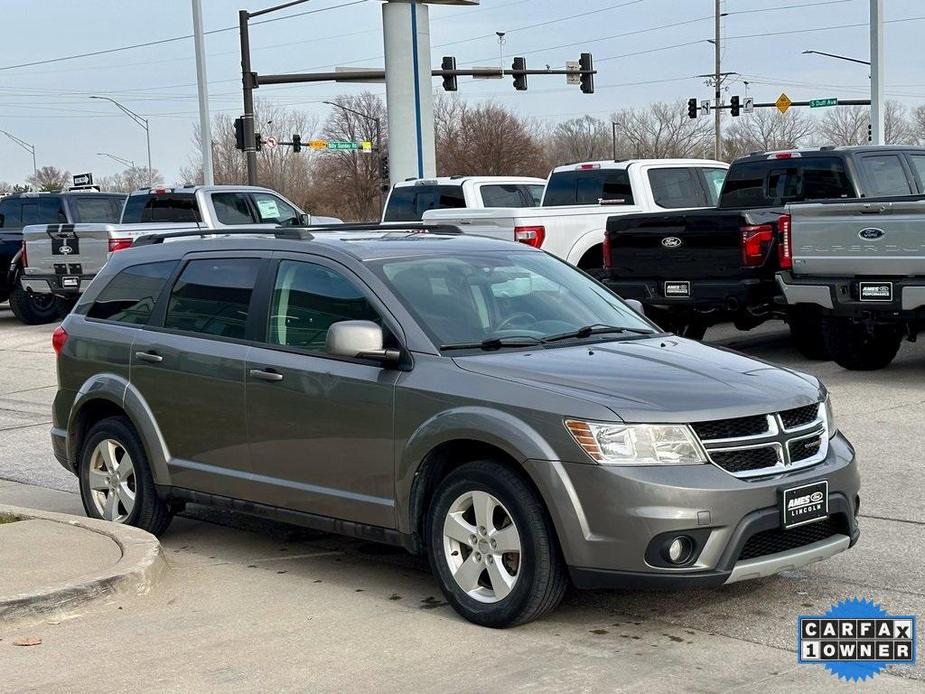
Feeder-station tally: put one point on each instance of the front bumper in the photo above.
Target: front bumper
(840, 295)
(705, 295)
(609, 518)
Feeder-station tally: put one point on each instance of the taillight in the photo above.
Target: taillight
(785, 243)
(756, 240)
(25, 258)
(58, 339)
(532, 236)
(606, 249)
(119, 244)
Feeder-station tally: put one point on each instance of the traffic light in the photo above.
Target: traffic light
(692, 108)
(586, 65)
(384, 167)
(296, 143)
(870, 133)
(258, 141)
(734, 107)
(239, 133)
(449, 81)
(520, 79)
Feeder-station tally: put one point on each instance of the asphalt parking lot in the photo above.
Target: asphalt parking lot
(290, 609)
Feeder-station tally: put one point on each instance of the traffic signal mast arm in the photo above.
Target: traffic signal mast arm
(735, 105)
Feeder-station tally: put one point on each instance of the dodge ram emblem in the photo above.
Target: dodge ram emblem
(871, 233)
(671, 242)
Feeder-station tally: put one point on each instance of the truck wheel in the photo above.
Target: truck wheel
(854, 347)
(36, 309)
(115, 480)
(492, 547)
(807, 333)
(689, 326)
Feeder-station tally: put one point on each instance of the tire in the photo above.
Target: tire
(36, 309)
(856, 348)
(535, 575)
(115, 439)
(806, 331)
(689, 326)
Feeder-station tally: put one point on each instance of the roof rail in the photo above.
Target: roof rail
(828, 148)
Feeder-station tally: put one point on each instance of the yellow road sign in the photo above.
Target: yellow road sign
(783, 103)
(318, 144)
(366, 146)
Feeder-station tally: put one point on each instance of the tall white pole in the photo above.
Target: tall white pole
(877, 133)
(205, 130)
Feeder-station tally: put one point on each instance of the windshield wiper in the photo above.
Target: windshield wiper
(597, 329)
(496, 343)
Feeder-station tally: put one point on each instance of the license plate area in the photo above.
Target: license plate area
(875, 291)
(679, 288)
(70, 282)
(805, 504)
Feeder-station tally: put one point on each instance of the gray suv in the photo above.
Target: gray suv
(476, 401)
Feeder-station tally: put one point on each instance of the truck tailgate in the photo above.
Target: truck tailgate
(851, 238)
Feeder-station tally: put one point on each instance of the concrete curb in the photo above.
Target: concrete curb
(141, 565)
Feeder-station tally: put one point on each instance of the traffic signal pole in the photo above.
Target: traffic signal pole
(250, 145)
(717, 83)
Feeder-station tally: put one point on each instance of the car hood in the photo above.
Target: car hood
(664, 379)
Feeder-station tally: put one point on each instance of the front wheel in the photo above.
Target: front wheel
(493, 548)
(856, 347)
(33, 308)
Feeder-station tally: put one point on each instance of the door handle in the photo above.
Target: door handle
(266, 375)
(151, 357)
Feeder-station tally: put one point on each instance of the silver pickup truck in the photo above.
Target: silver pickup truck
(61, 259)
(858, 269)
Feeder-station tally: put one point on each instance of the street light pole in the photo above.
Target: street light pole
(378, 123)
(121, 160)
(876, 72)
(614, 139)
(26, 146)
(202, 82)
(839, 57)
(140, 121)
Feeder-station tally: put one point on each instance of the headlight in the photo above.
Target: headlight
(637, 444)
(829, 417)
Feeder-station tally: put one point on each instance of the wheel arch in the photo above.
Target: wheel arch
(585, 243)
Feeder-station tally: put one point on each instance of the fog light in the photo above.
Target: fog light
(679, 551)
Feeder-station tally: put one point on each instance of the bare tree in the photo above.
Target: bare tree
(580, 139)
(766, 130)
(49, 179)
(917, 123)
(663, 130)
(848, 125)
(133, 178)
(5, 188)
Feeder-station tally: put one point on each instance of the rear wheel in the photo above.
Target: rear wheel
(857, 347)
(492, 547)
(807, 333)
(33, 308)
(690, 326)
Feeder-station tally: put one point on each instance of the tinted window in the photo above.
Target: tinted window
(232, 208)
(776, 181)
(885, 175)
(167, 207)
(535, 193)
(212, 297)
(673, 188)
(409, 203)
(97, 210)
(11, 213)
(715, 178)
(588, 187)
(307, 299)
(130, 295)
(502, 195)
(274, 210)
(43, 210)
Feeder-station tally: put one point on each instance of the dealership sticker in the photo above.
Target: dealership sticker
(856, 639)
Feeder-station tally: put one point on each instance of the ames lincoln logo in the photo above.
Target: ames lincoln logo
(856, 639)
(671, 242)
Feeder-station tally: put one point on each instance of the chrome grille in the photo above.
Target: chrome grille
(764, 445)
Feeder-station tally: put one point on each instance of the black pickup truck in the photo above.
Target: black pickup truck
(697, 268)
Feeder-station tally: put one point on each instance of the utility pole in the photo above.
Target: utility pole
(876, 73)
(717, 82)
(205, 130)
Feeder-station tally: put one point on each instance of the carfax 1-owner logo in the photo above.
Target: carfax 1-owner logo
(856, 639)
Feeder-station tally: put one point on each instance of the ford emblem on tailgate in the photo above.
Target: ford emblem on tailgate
(671, 242)
(871, 233)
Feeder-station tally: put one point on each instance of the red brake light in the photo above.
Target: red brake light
(587, 167)
(119, 244)
(532, 236)
(785, 243)
(25, 258)
(605, 250)
(58, 338)
(756, 240)
(785, 155)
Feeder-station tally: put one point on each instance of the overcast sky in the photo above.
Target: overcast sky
(48, 104)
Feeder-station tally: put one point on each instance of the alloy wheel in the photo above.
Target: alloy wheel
(112, 481)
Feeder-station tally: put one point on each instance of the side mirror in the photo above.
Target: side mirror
(359, 339)
(305, 219)
(636, 305)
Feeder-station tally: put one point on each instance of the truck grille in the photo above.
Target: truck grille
(764, 445)
(779, 540)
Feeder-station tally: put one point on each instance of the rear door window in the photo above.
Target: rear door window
(164, 207)
(778, 181)
(232, 208)
(130, 295)
(677, 187)
(885, 175)
(409, 203)
(588, 187)
(213, 296)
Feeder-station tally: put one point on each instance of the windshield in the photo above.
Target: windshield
(512, 296)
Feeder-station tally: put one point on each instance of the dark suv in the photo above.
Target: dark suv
(478, 401)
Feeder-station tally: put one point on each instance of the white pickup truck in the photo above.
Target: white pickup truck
(61, 259)
(409, 200)
(579, 198)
